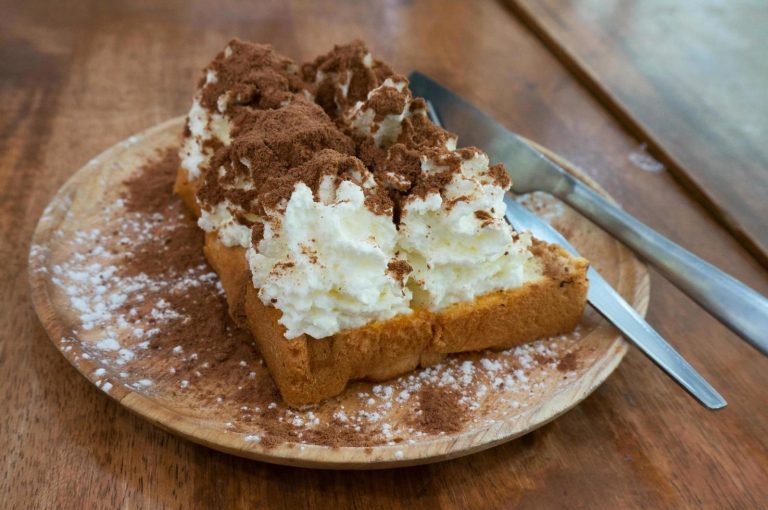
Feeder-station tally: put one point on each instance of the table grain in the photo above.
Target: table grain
(77, 77)
(689, 78)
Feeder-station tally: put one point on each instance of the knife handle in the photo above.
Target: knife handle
(737, 306)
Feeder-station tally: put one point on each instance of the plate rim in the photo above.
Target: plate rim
(314, 456)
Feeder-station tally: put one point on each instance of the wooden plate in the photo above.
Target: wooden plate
(227, 401)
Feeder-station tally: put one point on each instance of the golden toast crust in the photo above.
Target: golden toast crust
(308, 370)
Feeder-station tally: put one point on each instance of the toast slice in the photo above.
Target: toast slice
(308, 370)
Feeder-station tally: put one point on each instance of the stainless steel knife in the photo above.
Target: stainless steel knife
(613, 307)
(737, 306)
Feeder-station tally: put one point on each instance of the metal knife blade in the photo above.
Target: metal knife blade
(475, 128)
(613, 307)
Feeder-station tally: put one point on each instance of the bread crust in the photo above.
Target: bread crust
(308, 370)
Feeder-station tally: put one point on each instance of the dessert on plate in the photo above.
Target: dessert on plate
(351, 235)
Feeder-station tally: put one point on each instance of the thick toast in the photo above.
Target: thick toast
(308, 370)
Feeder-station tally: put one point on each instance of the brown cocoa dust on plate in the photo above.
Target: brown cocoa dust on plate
(153, 317)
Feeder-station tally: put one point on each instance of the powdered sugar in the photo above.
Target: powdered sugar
(121, 318)
(118, 314)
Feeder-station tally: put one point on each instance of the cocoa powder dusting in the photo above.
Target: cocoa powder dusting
(175, 252)
(150, 190)
(485, 217)
(542, 359)
(500, 175)
(345, 64)
(278, 134)
(440, 411)
(253, 75)
(257, 233)
(399, 269)
(551, 259)
(568, 363)
(388, 100)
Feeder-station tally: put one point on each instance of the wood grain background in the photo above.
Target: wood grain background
(687, 77)
(77, 77)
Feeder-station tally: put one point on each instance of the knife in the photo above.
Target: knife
(613, 307)
(737, 306)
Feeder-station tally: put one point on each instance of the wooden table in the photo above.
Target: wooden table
(689, 79)
(74, 79)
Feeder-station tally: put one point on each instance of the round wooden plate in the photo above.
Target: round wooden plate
(77, 248)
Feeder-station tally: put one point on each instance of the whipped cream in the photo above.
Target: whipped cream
(324, 254)
(221, 220)
(363, 115)
(203, 126)
(206, 129)
(325, 266)
(457, 241)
